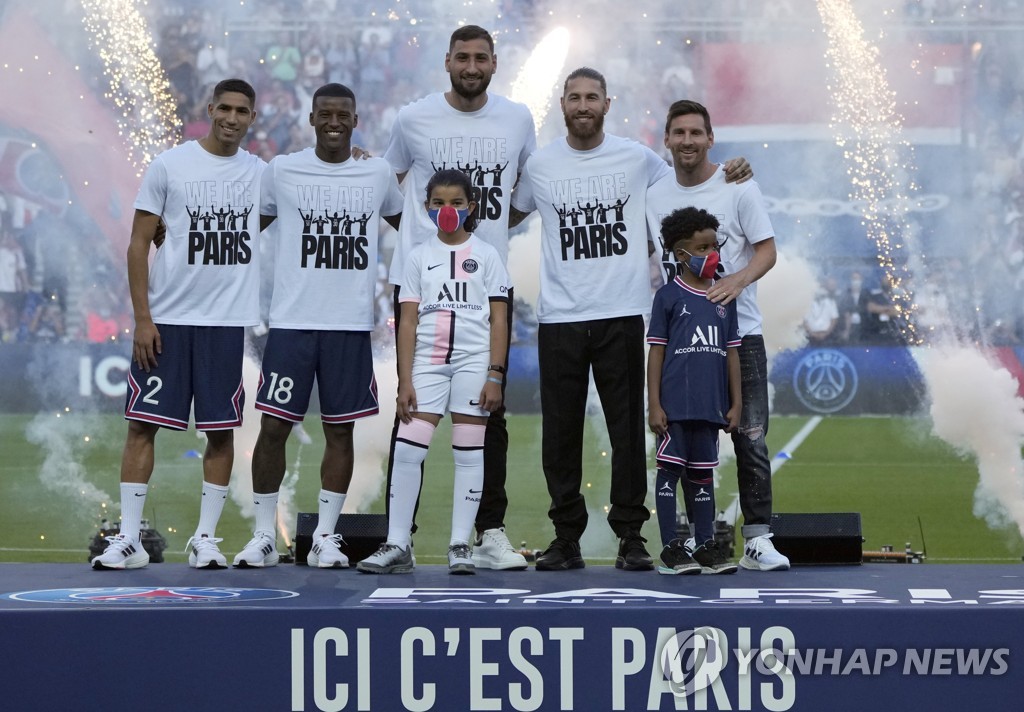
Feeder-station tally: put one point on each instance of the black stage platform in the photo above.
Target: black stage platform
(822, 639)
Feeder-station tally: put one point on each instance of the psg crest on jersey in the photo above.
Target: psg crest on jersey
(470, 266)
(150, 595)
(721, 311)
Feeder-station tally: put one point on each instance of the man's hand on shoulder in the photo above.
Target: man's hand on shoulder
(737, 170)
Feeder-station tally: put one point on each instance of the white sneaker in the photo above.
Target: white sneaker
(326, 552)
(261, 551)
(388, 559)
(121, 553)
(494, 551)
(759, 554)
(203, 553)
(459, 560)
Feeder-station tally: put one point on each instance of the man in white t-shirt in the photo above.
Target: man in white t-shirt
(489, 138)
(326, 208)
(747, 253)
(191, 309)
(594, 295)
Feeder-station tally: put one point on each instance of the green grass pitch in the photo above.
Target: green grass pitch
(888, 469)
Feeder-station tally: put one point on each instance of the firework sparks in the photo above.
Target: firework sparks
(138, 85)
(540, 74)
(869, 130)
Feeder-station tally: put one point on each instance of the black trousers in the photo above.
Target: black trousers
(493, 499)
(614, 349)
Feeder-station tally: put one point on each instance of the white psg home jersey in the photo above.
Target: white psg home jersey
(490, 145)
(453, 286)
(743, 220)
(594, 262)
(325, 238)
(207, 271)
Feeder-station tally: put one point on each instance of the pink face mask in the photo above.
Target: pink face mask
(447, 218)
(703, 267)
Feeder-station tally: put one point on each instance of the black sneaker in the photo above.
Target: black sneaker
(632, 554)
(712, 559)
(561, 555)
(677, 560)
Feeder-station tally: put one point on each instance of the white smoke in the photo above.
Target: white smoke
(64, 440)
(785, 295)
(975, 408)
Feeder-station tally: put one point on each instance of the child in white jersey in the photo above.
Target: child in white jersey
(452, 338)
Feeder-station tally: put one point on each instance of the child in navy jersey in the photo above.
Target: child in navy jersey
(693, 382)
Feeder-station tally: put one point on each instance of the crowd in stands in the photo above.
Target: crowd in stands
(389, 53)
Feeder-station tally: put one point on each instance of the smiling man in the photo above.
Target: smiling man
(326, 209)
(748, 252)
(489, 138)
(594, 294)
(191, 308)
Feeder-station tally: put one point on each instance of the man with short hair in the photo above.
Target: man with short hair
(594, 295)
(327, 207)
(488, 137)
(747, 252)
(191, 311)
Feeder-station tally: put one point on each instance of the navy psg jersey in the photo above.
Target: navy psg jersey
(695, 333)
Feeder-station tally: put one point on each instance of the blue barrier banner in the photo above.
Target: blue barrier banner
(80, 376)
(876, 380)
(883, 636)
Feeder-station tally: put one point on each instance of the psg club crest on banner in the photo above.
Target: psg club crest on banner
(151, 595)
(825, 381)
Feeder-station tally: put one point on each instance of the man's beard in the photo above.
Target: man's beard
(461, 90)
(595, 127)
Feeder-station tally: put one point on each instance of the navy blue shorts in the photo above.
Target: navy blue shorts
(198, 363)
(689, 443)
(341, 361)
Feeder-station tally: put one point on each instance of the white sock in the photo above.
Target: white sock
(266, 512)
(133, 499)
(405, 486)
(210, 509)
(468, 452)
(330, 509)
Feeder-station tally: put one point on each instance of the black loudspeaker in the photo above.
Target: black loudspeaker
(361, 534)
(820, 538)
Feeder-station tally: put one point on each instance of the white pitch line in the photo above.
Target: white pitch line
(732, 511)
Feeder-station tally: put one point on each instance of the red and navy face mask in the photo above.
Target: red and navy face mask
(703, 267)
(447, 218)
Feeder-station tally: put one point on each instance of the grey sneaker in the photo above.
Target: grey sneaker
(459, 559)
(388, 559)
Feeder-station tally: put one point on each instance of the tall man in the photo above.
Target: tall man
(190, 314)
(748, 252)
(489, 137)
(594, 294)
(328, 207)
